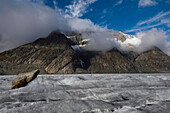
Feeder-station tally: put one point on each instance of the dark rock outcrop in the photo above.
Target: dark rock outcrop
(24, 78)
(153, 61)
(54, 54)
(106, 62)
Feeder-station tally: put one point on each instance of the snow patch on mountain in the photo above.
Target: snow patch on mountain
(131, 42)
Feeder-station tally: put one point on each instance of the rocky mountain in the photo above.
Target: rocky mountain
(51, 55)
(60, 53)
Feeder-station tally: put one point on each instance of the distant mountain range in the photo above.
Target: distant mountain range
(64, 53)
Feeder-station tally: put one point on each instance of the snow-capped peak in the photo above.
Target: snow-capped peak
(129, 42)
(126, 35)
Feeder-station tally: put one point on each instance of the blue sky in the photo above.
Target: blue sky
(23, 21)
(129, 16)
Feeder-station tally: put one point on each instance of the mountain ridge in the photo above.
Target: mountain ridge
(55, 54)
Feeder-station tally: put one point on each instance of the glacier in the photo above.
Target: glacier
(88, 93)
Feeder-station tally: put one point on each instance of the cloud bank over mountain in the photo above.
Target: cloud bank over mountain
(153, 38)
(23, 21)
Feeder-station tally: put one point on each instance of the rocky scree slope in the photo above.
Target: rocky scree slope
(54, 54)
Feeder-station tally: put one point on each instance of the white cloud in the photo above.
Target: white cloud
(22, 22)
(168, 30)
(157, 17)
(162, 18)
(78, 7)
(83, 25)
(100, 41)
(143, 28)
(166, 21)
(118, 3)
(36, 1)
(145, 3)
(143, 41)
(153, 38)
